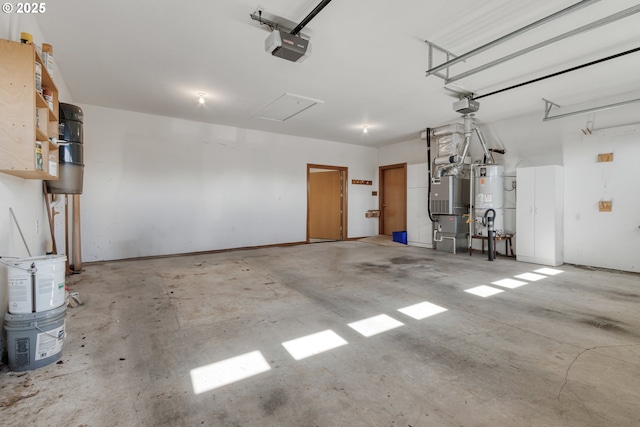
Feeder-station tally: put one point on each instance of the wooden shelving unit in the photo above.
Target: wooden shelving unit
(20, 103)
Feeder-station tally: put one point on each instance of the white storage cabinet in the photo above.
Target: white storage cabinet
(539, 215)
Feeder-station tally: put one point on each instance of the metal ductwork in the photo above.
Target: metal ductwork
(444, 165)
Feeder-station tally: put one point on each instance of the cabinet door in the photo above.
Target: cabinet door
(525, 212)
(544, 212)
(418, 222)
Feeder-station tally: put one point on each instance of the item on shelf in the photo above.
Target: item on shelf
(39, 156)
(39, 77)
(53, 165)
(47, 58)
(48, 96)
(26, 38)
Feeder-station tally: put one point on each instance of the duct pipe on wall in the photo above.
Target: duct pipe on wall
(483, 143)
(445, 160)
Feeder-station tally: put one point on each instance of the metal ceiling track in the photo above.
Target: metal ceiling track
(549, 105)
(295, 31)
(511, 35)
(310, 16)
(568, 70)
(596, 24)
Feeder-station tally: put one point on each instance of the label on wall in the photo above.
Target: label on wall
(361, 182)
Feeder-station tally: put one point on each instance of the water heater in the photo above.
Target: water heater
(488, 193)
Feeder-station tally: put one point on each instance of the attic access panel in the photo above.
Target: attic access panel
(287, 106)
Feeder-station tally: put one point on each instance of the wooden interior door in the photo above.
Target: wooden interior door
(393, 198)
(325, 204)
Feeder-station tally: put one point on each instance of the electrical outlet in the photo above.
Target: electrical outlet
(513, 185)
(37, 227)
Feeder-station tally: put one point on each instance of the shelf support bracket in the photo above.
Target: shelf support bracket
(547, 107)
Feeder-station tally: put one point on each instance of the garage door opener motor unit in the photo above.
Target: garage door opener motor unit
(287, 46)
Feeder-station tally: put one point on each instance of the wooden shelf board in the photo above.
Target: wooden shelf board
(35, 174)
(40, 102)
(41, 136)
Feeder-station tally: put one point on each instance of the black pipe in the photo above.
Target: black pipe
(490, 220)
(429, 175)
(310, 16)
(617, 55)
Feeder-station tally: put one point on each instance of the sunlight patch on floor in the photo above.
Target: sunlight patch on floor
(422, 310)
(310, 345)
(484, 291)
(375, 325)
(509, 283)
(530, 277)
(210, 377)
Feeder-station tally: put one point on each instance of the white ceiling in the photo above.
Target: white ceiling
(368, 60)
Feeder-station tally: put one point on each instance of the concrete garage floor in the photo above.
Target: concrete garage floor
(563, 350)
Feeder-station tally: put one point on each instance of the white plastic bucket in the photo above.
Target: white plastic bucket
(46, 293)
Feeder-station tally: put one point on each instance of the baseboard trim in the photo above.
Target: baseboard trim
(213, 251)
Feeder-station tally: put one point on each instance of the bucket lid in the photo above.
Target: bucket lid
(39, 316)
(41, 258)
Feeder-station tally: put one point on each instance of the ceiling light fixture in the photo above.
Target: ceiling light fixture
(201, 96)
(365, 129)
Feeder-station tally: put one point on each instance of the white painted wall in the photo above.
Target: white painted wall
(603, 239)
(411, 152)
(24, 196)
(156, 185)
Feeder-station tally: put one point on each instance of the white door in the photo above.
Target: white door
(418, 222)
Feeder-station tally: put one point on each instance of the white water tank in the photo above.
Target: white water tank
(488, 193)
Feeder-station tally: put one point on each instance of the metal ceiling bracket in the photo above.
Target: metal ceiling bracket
(449, 55)
(271, 24)
(547, 107)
